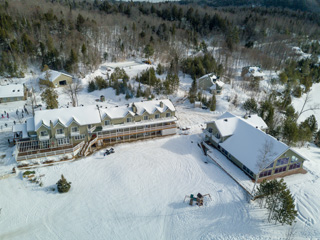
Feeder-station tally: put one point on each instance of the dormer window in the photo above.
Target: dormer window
(146, 117)
(13, 90)
(129, 119)
(157, 116)
(43, 133)
(60, 131)
(168, 115)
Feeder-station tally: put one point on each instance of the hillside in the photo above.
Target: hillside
(301, 5)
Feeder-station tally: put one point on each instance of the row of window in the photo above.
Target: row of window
(284, 161)
(265, 173)
(107, 122)
(59, 131)
(247, 170)
(279, 170)
(145, 118)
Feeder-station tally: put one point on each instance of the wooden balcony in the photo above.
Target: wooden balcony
(130, 131)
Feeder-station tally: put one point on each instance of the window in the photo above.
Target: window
(265, 173)
(282, 161)
(280, 169)
(224, 152)
(89, 126)
(59, 131)
(270, 166)
(43, 133)
(107, 122)
(80, 137)
(129, 120)
(210, 130)
(218, 135)
(74, 129)
(168, 114)
(247, 170)
(157, 116)
(146, 117)
(294, 166)
(294, 159)
(63, 141)
(45, 144)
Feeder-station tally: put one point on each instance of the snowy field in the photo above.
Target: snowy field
(313, 103)
(138, 192)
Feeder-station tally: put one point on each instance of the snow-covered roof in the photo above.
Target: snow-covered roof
(20, 128)
(30, 124)
(256, 121)
(116, 112)
(255, 72)
(154, 105)
(219, 83)
(82, 115)
(227, 123)
(12, 90)
(145, 106)
(53, 75)
(212, 76)
(246, 141)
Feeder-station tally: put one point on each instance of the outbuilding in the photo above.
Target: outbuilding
(58, 79)
(13, 92)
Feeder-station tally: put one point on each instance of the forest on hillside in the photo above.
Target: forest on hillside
(76, 36)
(301, 5)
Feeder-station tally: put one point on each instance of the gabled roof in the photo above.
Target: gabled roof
(219, 83)
(83, 115)
(256, 121)
(12, 90)
(142, 107)
(53, 75)
(20, 128)
(246, 141)
(116, 112)
(152, 106)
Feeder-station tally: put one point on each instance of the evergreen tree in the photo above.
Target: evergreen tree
(290, 131)
(91, 86)
(100, 82)
(50, 96)
(63, 185)
(139, 93)
(148, 51)
(160, 69)
(213, 103)
(193, 92)
(250, 105)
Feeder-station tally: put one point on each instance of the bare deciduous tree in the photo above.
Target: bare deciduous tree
(72, 91)
(266, 154)
(308, 98)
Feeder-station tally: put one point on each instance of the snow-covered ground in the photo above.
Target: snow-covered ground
(138, 192)
(313, 103)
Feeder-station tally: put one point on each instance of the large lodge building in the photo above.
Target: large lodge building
(75, 130)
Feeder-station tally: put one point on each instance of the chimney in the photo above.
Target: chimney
(161, 104)
(134, 108)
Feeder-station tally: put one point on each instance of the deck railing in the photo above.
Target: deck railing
(50, 153)
(120, 133)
